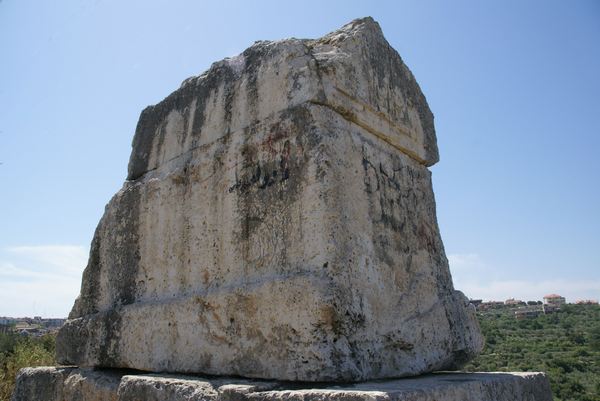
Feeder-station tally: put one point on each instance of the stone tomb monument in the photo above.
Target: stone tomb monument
(277, 222)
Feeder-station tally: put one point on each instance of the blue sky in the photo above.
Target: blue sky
(514, 87)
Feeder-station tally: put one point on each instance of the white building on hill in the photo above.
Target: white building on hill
(554, 299)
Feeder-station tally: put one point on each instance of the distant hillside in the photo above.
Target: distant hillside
(565, 344)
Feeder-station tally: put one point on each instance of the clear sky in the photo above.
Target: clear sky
(514, 86)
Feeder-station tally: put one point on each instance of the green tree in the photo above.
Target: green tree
(25, 352)
(595, 338)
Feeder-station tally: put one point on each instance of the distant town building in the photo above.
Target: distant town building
(27, 326)
(550, 308)
(490, 305)
(533, 311)
(528, 312)
(554, 299)
(586, 302)
(513, 302)
(7, 321)
(53, 322)
(475, 302)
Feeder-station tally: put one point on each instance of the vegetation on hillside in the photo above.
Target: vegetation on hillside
(17, 352)
(566, 345)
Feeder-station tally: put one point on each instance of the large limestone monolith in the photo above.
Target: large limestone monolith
(278, 221)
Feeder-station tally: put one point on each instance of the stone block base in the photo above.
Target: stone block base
(70, 383)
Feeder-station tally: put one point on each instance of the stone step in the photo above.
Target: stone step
(70, 383)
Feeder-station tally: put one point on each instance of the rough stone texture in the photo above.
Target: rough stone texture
(56, 383)
(71, 384)
(278, 222)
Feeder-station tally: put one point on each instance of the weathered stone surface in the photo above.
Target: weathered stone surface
(278, 222)
(58, 384)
